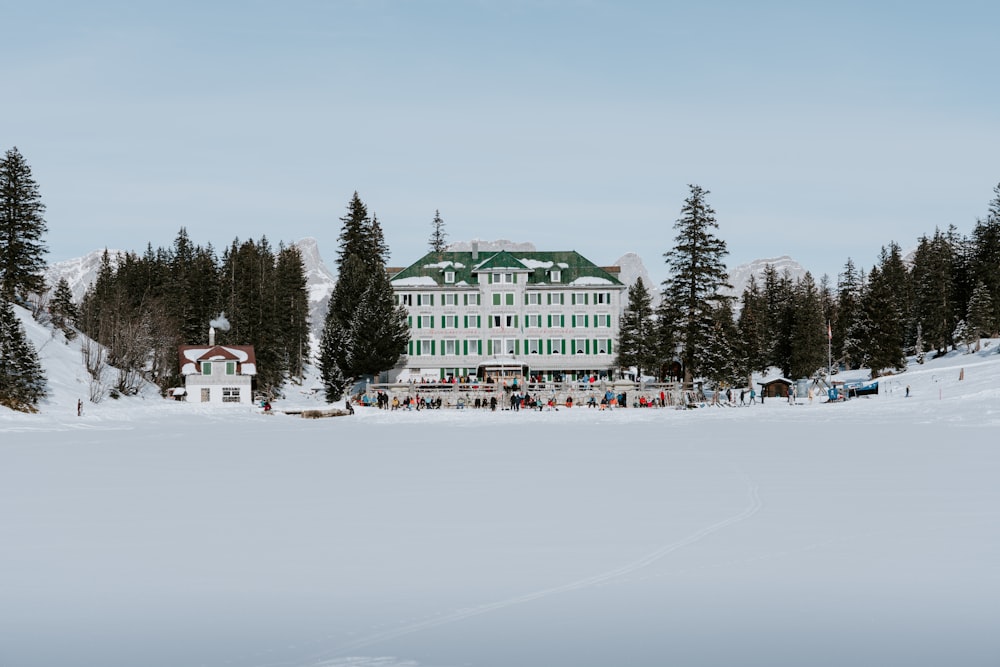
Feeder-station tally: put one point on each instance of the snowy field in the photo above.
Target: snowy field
(148, 533)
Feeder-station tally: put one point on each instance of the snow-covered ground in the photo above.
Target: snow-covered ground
(161, 534)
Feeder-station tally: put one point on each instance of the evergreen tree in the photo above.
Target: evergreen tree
(933, 286)
(63, 310)
(808, 352)
(979, 317)
(985, 259)
(884, 339)
(22, 381)
(292, 310)
(438, 234)
(22, 227)
(720, 359)
(364, 332)
(753, 336)
(697, 272)
(636, 334)
(849, 286)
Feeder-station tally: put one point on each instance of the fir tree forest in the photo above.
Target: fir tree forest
(945, 295)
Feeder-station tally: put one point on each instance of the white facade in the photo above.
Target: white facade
(221, 374)
(511, 314)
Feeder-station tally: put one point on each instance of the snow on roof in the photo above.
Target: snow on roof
(447, 264)
(591, 280)
(538, 264)
(415, 281)
(198, 354)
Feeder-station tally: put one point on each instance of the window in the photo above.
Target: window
(504, 320)
(206, 368)
(580, 320)
(449, 277)
(503, 298)
(602, 320)
(472, 321)
(580, 346)
(602, 298)
(230, 394)
(425, 322)
(534, 346)
(555, 275)
(230, 368)
(533, 321)
(450, 299)
(451, 346)
(406, 299)
(450, 321)
(556, 346)
(424, 346)
(425, 299)
(506, 278)
(472, 300)
(557, 299)
(579, 298)
(533, 298)
(206, 394)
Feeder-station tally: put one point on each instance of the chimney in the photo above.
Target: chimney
(211, 336)
(475, 251)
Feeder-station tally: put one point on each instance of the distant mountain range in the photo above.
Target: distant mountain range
(81, 272)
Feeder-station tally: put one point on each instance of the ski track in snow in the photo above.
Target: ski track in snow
(754, 504)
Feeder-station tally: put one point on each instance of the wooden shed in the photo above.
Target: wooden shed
(776, 388)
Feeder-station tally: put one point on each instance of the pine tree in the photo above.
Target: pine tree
(753, 339)
(63, 310)
(364, 332)
(22, 381)
(933, 289)
(884, 342)
(979, 317)
(292, 310)
(22, 227)
(697, 272)
(636, 334)
(438, 234)
(721, 362)
(848, 305)
(985, 259)
(808, 338)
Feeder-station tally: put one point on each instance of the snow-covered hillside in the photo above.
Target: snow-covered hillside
(148, 532)
(81, 272)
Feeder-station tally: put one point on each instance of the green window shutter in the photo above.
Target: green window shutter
(465, 321)
(465, 347)
(515, 321)
(586, 320)
(548, 299)
(548, 346)
(562, 346)
(517, 346)
(509, 299)
(610, 351)
(489, 346)
(433, 346)
(550, 321)
(479, 346)
(496, 298)
(479, 321)
(572, 299)
(588, 346)
(489, 278)
(419, 323)
(526, 298)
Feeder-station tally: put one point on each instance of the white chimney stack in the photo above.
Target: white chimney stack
(475, 251)
(211, 336)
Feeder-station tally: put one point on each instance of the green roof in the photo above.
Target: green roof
(575, 269)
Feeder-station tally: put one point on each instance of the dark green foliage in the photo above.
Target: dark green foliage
(637, 344)
(979, 317)
(934, 290)
(753, 341)
(808, 340)
(22, 381)
(721, 363)
(438, 234)
(697, 272)
(143, 308)
(22, 227)
(985, 259)
(64, 311)
(364, 332)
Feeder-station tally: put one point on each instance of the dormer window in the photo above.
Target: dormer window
(449, 277)
(555, 275)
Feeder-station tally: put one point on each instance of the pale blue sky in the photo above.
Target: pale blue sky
(822, 130)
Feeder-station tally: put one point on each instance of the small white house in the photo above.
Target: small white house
(218, 373)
